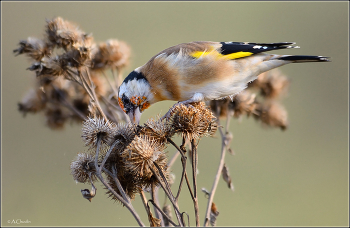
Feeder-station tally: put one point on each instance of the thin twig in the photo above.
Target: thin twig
(127, 205)
(99, 137)
(144, 201)
(170, 196)
(189, 186)
(110, 84)
(107, 154)
(194, 175)
(174, 144)
(69, 105)
(154, 196)
(120, 188)
(162, 212)
(226, 140)
(92, 87)
(173, 159)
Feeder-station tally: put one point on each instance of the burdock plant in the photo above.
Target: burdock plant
(72, 85)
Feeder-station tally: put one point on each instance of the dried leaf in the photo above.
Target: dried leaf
(154, 222)
(227, 178)
(214, 213)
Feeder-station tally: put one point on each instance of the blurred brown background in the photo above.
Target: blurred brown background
(294, 178)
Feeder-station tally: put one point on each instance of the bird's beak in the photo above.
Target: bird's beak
(135, 115)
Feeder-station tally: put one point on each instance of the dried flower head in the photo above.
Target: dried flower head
(55, 117)
(140, 155)
(273, 114)
(62, 33)
(157, 129)
(94, 128)
(82, 167)
(78, 56)
(209, 124)
(220, 107)
(192, 121)
(33, 102)
(111, 54)
(50, 67)
(33, 47)
(243, 103)
(272, 84)
(125, 134)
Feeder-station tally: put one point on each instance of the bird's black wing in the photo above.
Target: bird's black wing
(235, 50)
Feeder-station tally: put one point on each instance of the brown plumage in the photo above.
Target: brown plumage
(198, 71)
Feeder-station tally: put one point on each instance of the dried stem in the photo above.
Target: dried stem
(113, 87)
(183, 161)
(168, 193)
(194, 175)
(92, 88)
(144, 201)
(125, 201)
(226, 140)
(127, 205)
(107, 155)
(162, 213)
(154, 196)
(120, 188)
(173, 159)
(69, 105)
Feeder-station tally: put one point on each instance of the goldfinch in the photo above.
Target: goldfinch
(199, 71)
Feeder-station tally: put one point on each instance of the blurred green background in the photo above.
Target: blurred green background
(294, 178)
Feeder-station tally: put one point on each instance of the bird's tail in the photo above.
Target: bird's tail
(304, 58)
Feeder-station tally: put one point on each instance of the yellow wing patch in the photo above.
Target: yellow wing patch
(236, 55)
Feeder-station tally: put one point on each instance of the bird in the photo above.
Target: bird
(200, 71)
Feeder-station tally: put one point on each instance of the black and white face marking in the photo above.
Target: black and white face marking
(134, 95)
(127, 105)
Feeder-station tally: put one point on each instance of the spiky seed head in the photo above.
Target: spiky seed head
(219, 107)
(140, 155)
(272, 84)
(83, 166)
(97, 127)
(273, 114)
(110, 54)
(193, 120)
(157, 129)
(208, 125)
(244, 103)
(125, 134)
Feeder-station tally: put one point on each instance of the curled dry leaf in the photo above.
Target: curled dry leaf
(226, 176)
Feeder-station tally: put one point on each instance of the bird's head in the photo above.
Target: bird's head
(134, 95)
